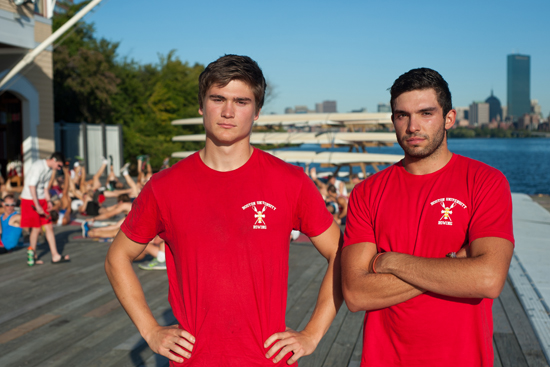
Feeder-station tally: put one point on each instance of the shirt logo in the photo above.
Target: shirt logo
(447, 205)
(259, 214)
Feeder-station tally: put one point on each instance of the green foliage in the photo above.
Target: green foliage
(92, 84)
(484, 132)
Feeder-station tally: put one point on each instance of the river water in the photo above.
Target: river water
(525, 162)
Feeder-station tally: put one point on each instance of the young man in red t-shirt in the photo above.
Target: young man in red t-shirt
(428, 241)
(227, 245)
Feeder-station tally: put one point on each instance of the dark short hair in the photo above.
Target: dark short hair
(58, 156)
(125, 198)
(419, 79)
(54, 216)
(331, 188)
(9, 196)
(233, 67)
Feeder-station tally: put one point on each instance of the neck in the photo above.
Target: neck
(226, 158)
(430, 164)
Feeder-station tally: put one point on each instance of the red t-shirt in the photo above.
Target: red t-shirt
(227, 236)
(430, 216)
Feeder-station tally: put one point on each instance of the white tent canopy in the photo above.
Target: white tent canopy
(324, 157)
(311, 119)
(327, 138)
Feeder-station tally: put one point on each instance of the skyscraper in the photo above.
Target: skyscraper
(519, 85)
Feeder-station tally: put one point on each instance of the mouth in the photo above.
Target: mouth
(225, 125)
(415, 140)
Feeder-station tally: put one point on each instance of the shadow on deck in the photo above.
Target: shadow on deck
(67, 315)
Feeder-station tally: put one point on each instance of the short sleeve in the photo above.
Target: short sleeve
(32, 178)
(311, 216)
(359, 227)
(492, 215)
(144, 221)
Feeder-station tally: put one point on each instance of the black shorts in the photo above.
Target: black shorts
(92, 208)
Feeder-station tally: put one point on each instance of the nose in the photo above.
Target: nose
(414, 124)
(228, 110)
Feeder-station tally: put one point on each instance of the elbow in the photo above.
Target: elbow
(491, 286)
(351, 302)
(354, 301)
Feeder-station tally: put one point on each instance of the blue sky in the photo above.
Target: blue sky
(348, 51)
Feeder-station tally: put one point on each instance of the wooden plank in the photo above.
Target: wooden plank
(358, 349)
(104, 309)
(509, 350)
(496, 362)
(522, 329)
(26, 307)
(318, 357)
(306, 299)
(27, 327)
(342, 347)
(297, 288)
(500, 320)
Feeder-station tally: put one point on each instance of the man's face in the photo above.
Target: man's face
(419, 122)
(55, 165)
(229, 112)
(9, 206)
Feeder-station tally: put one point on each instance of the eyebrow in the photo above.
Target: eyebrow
(427, 109)
(237, 99)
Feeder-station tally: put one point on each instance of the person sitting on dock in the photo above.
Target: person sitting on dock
(227, 249)
(428, 241)
(340, 186)
(10, 229)
(337, 205)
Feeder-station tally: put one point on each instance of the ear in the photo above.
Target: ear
(450, 119)
(257, 115)
(200, 111)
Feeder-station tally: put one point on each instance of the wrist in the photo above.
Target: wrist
(313, 335)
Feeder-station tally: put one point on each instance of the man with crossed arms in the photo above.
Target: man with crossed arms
(428, 241)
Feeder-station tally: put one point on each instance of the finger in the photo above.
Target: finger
(297, 355)
(283, 352)
(185, 344)
(171, 355)
(277, 346)
(273, 338)
(461, 253)
(177, 350)
(187, 335)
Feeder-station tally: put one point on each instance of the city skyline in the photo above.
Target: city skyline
(350, 52)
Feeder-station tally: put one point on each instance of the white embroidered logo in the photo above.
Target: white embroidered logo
(260, 214)
(447, 209)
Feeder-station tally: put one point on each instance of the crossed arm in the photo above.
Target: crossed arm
(479, 272)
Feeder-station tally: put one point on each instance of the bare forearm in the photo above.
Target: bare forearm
(328, 302)
(363, 290)
(375, 291)
(34, 195)
(479, 276)
(129, 292)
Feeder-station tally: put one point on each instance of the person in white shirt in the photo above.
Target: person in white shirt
(36, 204)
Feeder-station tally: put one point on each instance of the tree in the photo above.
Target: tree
(92, 84)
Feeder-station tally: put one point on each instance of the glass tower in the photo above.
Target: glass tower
(519, 86)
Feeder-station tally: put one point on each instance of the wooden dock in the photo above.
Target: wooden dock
(67, 314)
